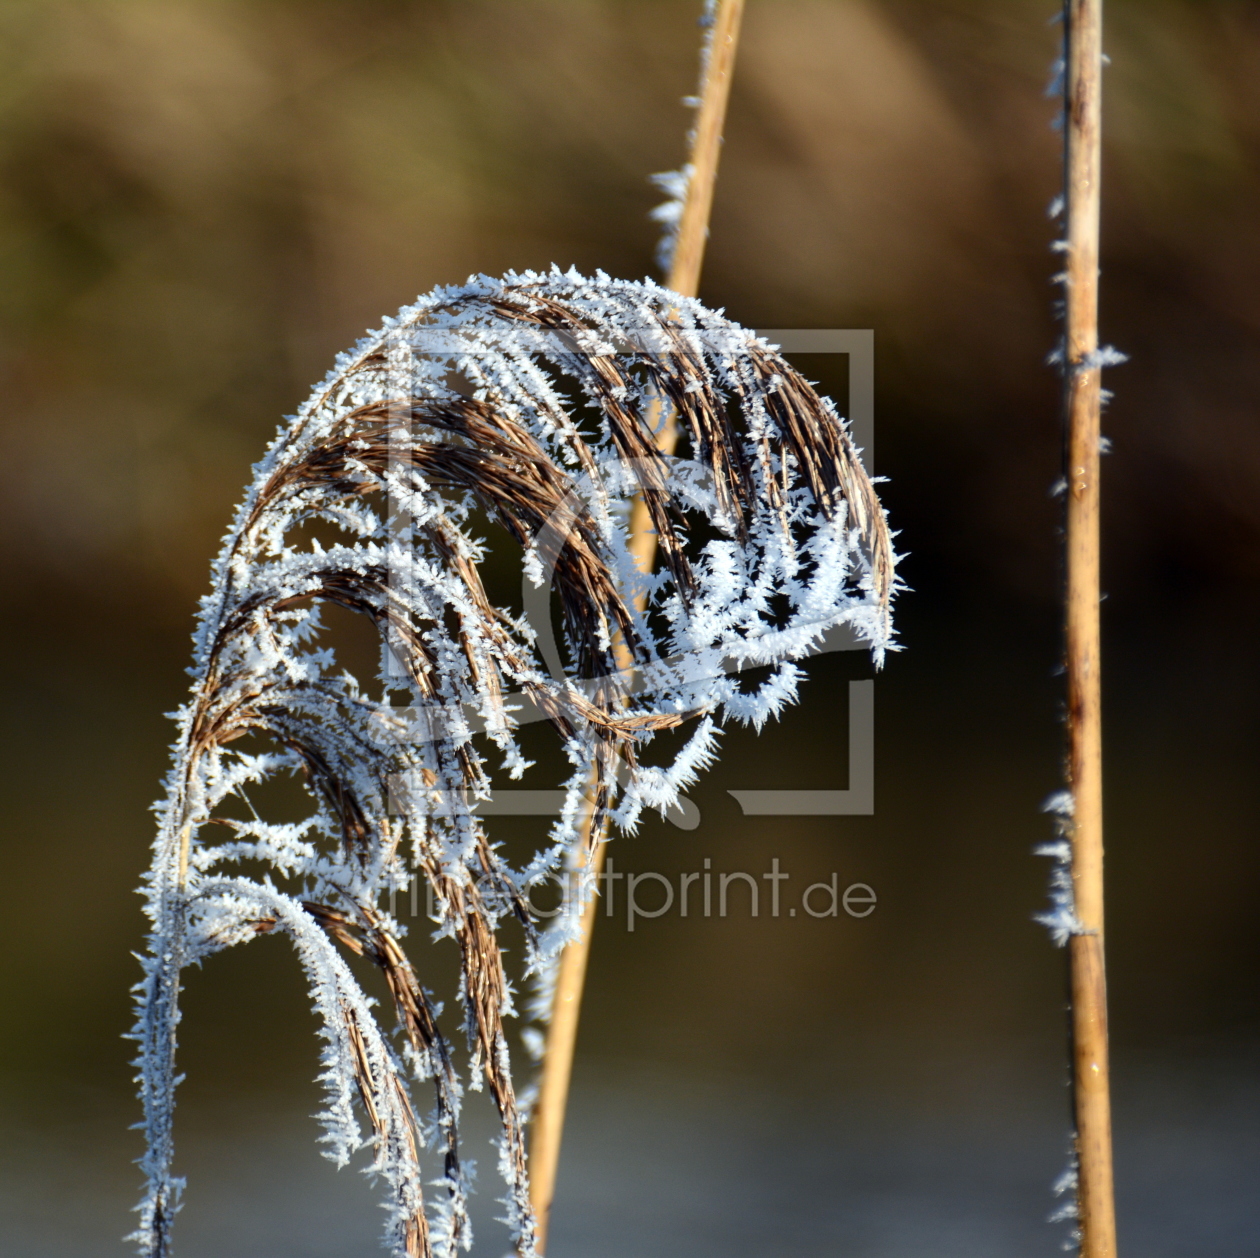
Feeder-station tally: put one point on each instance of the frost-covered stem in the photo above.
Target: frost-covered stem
(684, 278)
(693, 227)
(1083, 160)
(706, 147)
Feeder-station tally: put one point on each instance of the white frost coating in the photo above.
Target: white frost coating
(675, 185)
(1104, 356)
(1067, 1186)
(393, 466)
(1061, 920)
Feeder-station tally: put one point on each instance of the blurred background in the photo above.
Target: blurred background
(201, 201)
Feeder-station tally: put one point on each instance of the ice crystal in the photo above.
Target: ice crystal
(1061, 920)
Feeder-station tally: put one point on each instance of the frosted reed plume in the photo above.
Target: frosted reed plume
(770, 535)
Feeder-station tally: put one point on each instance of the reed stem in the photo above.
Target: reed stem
(684, 279)
(1090, 1068)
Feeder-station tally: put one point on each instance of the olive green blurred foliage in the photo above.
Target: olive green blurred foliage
(201, 201)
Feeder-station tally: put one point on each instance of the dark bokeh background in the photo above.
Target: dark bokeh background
(201, 202)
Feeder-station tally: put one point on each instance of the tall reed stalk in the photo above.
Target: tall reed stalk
(1083, 396)
(686, 256)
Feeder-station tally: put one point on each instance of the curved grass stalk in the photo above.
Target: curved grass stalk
(368, 500)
